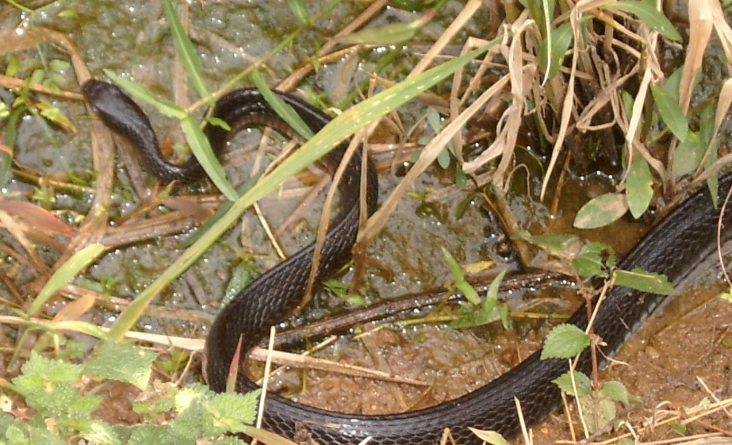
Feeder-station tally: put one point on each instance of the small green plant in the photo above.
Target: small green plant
(476, 311)
(597, 403)
(62, 397)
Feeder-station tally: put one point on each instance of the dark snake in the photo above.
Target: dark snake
(683, 238)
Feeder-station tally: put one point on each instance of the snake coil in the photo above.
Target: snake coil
(682, 238)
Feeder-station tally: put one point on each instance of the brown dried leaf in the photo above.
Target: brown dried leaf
(38, 217)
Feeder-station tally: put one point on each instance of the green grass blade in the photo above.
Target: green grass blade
(300, 10)
(65, 273)
(647, 13)
(187, 53)
(201, 148)
(280, 107)
(138, 91)
(220, 212)
(337, 130)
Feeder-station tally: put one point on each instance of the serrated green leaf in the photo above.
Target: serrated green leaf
(235, 410)
(101, 433)
(670, 112)
(149, 435)
(564, 341)
(49, 398)
(649, 15)
(16, 435)
(594, 259)
(639, 187)
(616, 391)
(583, 383)
(122, 361)
(51, 370)
(601, 211)
(193, 422)
(644, 281)
(43, 436)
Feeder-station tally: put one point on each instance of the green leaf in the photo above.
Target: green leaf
(220, 212)
(616, 391)
(594, 259)
(65, 273)
(583, 383)
(639, 187)
(557, 244)
(491, 297)
(201, 149)
(150, 434)
(392, 34)
(551, 57)
(727, 296)
(601, 211)
(194, 422)
(283, 110)
(101, 433)
(122, 361)
(457, 272)
(672, 84)
(50, 370)
(234, 410)
(300, 11)
(644, 281)
(628, 102)
(564, 341)
(688, 154)
(597, 411)
(46, 384)
(186, 52)
(241, 277)
(141, 93)
(44, 436)
(491, 437)
(670, 112)
(649, 15)
(472, 315)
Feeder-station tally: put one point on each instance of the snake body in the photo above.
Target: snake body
(683, 238)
